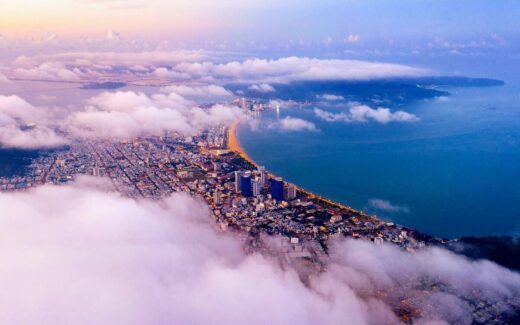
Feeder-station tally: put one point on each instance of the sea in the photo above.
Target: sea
(453, 173)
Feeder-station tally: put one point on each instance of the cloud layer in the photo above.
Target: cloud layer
(114, 115)
(135, 262)
(290, 123)
(129, 114)
(198, 65)
(385, 205)
(364, 113)
(24, 126)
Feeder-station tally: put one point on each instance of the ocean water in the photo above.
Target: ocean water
(14, 162)
(456, 172)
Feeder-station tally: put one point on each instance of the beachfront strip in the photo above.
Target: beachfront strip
(245, 200)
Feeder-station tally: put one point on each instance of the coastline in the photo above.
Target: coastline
(234, 145)
(496, 249)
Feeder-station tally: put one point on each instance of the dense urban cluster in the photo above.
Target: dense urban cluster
(245, 199)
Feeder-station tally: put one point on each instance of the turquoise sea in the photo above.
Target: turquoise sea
(456, 172)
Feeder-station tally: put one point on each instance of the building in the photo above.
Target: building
(256, 186)
(243, 104)
(277, 188)
(264, 179)
(245, 185)
(237, 181)
(291, 192)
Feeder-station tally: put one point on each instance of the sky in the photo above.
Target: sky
(261, 20)
(461, 37)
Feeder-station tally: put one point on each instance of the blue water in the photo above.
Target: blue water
(14, 162)
(454, 173)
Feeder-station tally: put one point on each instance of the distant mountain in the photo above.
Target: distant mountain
(501, 250)
(382, 92)
(459, 82)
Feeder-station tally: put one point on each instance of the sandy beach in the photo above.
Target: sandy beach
(234, 143)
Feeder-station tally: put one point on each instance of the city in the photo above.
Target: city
(246, 201)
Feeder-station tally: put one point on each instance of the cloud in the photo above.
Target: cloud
(165, 73)
(129, 114)
(352, 38)
(298, 68)
(363, 113)
(52, 71)
(113, 36)
(199, 65)
(18, 128)
(289, 123)
(385, 205)
(3, 79)
(93, 66)
(329, 97)
(200, 93)
(363, 265)
(135, 262)
(114, 115)
(283, 103)
(262, 88)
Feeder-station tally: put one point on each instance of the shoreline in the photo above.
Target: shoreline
(234, 145)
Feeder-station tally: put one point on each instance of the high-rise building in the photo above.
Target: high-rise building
(245, 185)
(277, 188)
(291, 192)
(256, 186)
(237, 181)
(264, 179)
(244, 104)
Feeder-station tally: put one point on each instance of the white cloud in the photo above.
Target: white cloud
(298, 68)
(363, 113)
(200, 93)
(3, 79)
(283, 103)
(197, 65)
(92, 66)
(113, 36)
(129, 114)
(329, 97)
(262, 88)
(387, 206)
(52, 71)
(352, 38)
(135, 262)
(289, 123)
(165, 73)
(18, 128)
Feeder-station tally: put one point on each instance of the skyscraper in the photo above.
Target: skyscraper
(263, 176)
(237, 181)
(244, 105)
(245, 184)
(256, 185)
(291, 192)
(277, 188)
